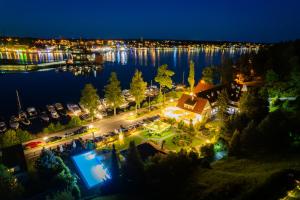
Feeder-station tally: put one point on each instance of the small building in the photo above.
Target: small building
(146, 150)
(202, 102)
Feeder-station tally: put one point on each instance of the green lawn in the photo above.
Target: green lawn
(124, 145)
(148, 135)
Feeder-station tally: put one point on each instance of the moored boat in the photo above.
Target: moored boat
(58, 106)
(44, 117)
(3, 127)
(32, 112)
(14, 122)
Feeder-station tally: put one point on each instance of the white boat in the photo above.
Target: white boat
(13, 123)
(44, 117)
(54, 114)
(32, 112)
(58, 106)
(50, 108)
(74, 108)
(3, 127)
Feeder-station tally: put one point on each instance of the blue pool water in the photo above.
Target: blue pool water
(91, 168)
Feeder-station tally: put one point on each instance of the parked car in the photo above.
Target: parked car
(81, 130)
(32, 145)
(84, 116)
(53, 139)
(68, 134)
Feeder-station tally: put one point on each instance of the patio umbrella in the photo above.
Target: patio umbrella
(61, 149)
(74, 144)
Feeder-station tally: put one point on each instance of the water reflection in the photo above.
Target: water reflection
(152, 56)
(37, 57)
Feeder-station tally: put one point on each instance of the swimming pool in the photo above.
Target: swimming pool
(91, 168)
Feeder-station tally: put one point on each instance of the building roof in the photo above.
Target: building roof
(202, 86)
(198, 108)
(233, 89)
(145, 150)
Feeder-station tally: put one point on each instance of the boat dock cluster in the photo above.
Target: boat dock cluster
(57, 111)
(80, 69)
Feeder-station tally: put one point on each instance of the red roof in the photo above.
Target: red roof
(202, 86)
(198, 108)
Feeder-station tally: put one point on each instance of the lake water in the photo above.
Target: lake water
(49, 86)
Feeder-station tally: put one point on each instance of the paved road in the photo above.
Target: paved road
(103, 126)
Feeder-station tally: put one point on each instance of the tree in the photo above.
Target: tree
(133, 168)
(113, 92)
(208, 75)
(226, 71)
(114, 169)
(164, 79)
(9, 138)
(74, 122)
(12, 137)
(23, 136)
(207, 151)
(57, 175)
(191, 78)
(253, 105)
(271, 77)
(90, 99)
(138, 88)
(234, 144)
(9, 186)
(249, 139)
(222, 104)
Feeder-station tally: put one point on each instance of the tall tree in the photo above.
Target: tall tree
(90, 99)
(226, 71)
(133, 168)
(12, 137)
(253, 105)
(137, 88)
(208, 75)
(113, 92)
(164, 79)
(114, 168)
(9, 186)
(222, 104)
(191, 78)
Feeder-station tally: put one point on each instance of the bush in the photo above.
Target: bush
(181, 125)
(53, 128)
(74, 122)
(207, 151)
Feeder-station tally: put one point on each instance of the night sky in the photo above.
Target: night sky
(234, 20)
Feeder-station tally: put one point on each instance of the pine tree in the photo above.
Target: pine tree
(222, 104)
(164, 79)
(133, 168)
(208, 75)
(138, 88)
(90, 99)
(114, 168)
(191, 78)
(113, 92)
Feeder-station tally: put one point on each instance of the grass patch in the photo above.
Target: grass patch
(241, 178)
(125, 144)
(148, 135)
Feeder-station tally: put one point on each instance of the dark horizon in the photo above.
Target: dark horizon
(255, 21)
